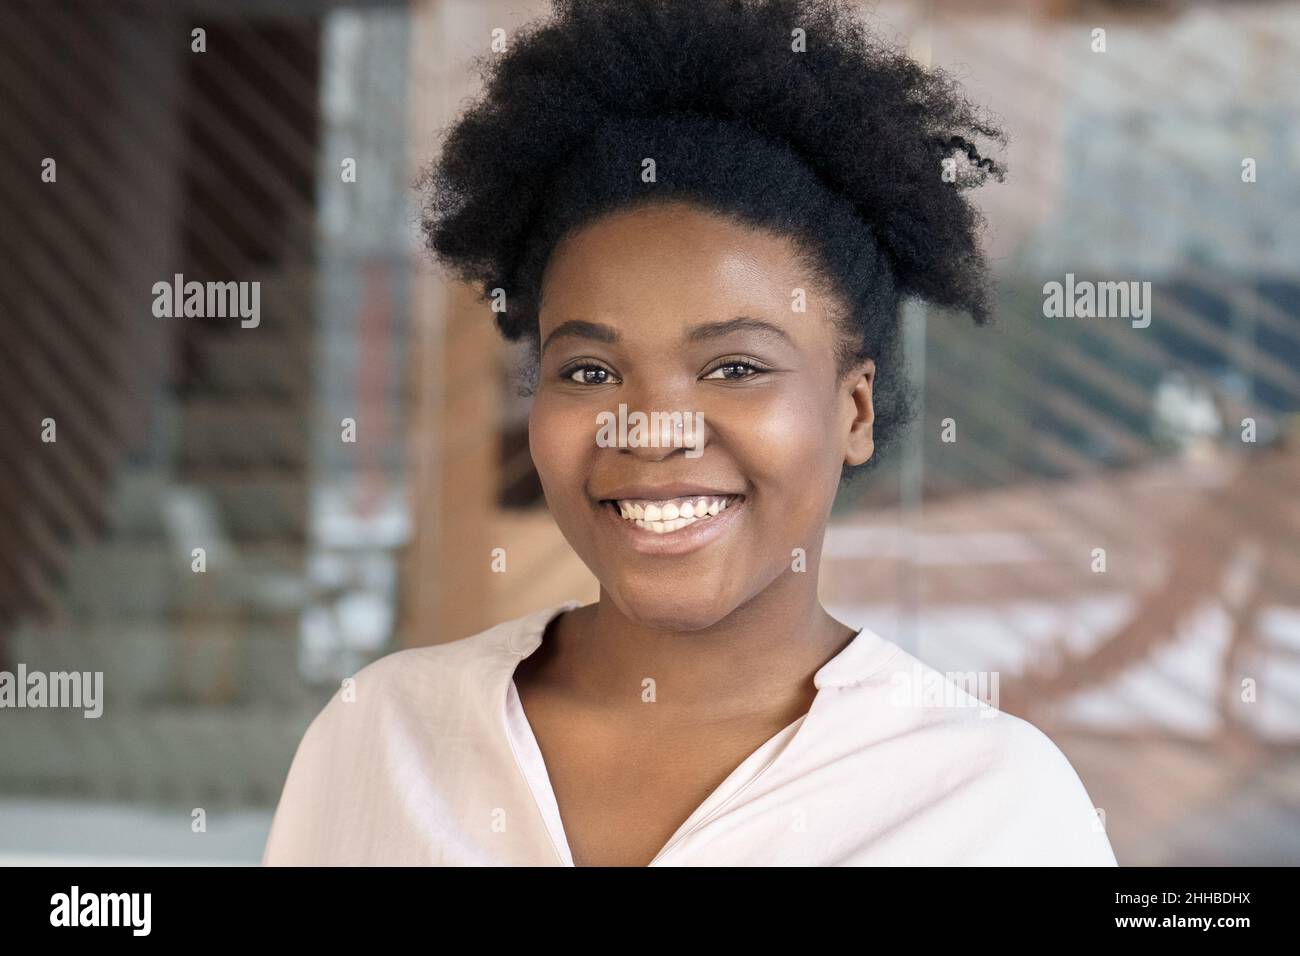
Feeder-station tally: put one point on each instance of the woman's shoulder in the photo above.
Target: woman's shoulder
(393, 726)
(957, 713)
(1035, 803)
(447, 685)
(434, 676)
(1008, 776)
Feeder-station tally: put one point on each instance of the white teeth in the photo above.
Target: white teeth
(666, 517)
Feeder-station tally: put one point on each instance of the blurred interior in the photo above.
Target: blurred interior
(1073, 434)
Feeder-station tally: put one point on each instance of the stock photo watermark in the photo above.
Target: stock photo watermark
(921, 687)
(1084, 299)
(209, 300)
(75, 690)
(651, 430)
(127, 910)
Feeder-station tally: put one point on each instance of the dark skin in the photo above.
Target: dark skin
(633, 312)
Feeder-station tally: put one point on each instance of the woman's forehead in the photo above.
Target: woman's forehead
(683, 260)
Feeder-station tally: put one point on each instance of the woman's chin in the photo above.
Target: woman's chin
(668, 611)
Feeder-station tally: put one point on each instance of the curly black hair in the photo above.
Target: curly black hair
(786, 115)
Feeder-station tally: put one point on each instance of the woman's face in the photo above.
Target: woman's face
(672, 308)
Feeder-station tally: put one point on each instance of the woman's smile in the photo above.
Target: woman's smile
(671, 525)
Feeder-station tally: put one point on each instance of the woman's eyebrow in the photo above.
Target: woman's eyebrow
(582, 329)
(713, 330)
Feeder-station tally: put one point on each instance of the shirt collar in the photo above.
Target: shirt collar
(862, 657)
(525, 638)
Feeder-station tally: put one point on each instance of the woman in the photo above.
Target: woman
(710, 208)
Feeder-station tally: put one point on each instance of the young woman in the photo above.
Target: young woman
(713, 208)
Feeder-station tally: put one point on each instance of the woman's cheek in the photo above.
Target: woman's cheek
(782, 443)
(784, 446)
(560, 447)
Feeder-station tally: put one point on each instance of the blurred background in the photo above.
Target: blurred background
(1114, 529)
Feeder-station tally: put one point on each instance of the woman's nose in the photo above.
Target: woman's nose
(656, 422)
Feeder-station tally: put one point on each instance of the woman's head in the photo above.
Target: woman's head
(655, 186)
(673, 308)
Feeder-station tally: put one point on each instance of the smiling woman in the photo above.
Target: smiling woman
(713, 207)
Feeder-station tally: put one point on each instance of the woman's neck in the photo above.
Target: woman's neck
(757, 659)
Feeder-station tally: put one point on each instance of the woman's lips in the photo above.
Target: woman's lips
(671, 526)
(667, 515)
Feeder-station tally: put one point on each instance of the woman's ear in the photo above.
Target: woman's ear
(860, 442)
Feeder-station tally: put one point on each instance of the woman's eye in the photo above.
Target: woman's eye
(734, 370)
(590, 375)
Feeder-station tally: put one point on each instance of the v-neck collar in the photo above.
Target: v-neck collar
(861, 657)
